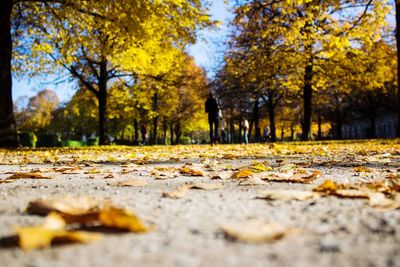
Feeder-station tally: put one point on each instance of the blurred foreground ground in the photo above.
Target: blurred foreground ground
(332, 231)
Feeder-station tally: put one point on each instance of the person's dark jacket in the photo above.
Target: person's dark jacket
(212, 107)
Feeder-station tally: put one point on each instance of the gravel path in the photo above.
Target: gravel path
(332, 231)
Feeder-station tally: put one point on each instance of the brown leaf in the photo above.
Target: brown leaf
(223, 175)
(288, 195)
(131, 183)
(180, 192)
(256, 231)
(206, 186)
(65, 205)
(252, 181)
(298, 177)
(190, 172)
(27, 175)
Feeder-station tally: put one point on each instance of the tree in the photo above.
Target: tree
(110, 21)
(38, 114)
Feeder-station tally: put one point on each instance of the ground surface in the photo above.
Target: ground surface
(332, 231)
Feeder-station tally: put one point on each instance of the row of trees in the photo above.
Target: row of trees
(173, 102)
(102, 44)
(304, 61)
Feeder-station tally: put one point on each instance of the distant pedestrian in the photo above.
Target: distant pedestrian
(246, 131)
(223, 136)
(266, 134)
(212, 108)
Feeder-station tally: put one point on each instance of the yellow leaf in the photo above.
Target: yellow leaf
(245, 173)
(122, 219)
(52, 230)
(191, 172)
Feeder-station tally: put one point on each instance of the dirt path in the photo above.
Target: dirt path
(331, 231)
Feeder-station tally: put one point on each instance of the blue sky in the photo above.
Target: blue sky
(206, 53)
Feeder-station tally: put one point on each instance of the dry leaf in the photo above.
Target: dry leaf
(131, 182)
(298, 177)
(122, 219)
(163, 175)
(255, 231)
(380, 201)
(27, 175)
(65, 205)
(180, 192)
(190, 172)
(52, 230)
(288, 195)
(223, 175)
(252, 181)
(245, 173)
(362, 169)
(206, 186)
(328, 187)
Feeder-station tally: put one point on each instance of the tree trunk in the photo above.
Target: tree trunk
(398, 64)
(339, 124)
(282, 131)
(102, 97)
(292, 131)
(232, 131)
(171, 132)
(155, 119)
(155, 128)
(8, 126)
(319, 127)
(178, 132)
(307, 101)
(271, 114)
(136, 132)
(165, 128)
(256, 118)
(372, 121)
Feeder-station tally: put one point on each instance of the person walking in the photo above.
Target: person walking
(212, 108)
(246, 131)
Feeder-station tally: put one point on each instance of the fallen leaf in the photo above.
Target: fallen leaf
(380, 201)
(255, 231)
(288, 195)
(245, 173)
(327, 187)
(68, 205)
(131, 183)
(298, 177)
(52, 230)
(27, 175)
(362, 169)
(252, 181)
(180, 192)
(223, 175)
(206, 186)
(122, 219)
(190, 172)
